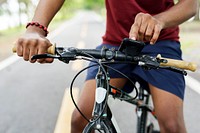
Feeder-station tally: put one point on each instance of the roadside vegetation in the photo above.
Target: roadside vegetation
(8, 36)
(26, 8)
(190, 31)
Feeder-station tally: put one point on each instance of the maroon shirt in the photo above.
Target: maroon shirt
(121, 13)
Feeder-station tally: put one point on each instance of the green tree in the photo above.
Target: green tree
(24, 8)
(197, 16)
(3, 7)
(93, 4)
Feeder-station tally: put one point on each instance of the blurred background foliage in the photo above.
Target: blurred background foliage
(14, 14)
(25, 8)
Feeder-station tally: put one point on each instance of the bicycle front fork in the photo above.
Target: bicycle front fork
(101, 118)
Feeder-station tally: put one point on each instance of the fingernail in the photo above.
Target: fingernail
(133, 38)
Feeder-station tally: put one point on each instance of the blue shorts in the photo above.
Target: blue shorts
(167, 80)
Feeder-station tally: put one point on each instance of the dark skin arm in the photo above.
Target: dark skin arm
(34, 40)
(147, 28)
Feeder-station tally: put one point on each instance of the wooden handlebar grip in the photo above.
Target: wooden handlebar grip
(179, 64)
(14, 49)
(50, 50)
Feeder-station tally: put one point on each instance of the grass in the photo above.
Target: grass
(190, 36)
(9, 36)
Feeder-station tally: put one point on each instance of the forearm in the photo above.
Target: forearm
(178, 14)
(44, 13)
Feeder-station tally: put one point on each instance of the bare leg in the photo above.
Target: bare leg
(169, 111)
(86, 103)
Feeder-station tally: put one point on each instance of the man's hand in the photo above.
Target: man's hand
(30, 44)
(146, 28)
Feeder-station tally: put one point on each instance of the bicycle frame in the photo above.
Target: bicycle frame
(101, 118)
(100, 113)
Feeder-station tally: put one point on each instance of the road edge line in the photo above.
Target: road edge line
(8, 61)
(64, 117)
(192, 83)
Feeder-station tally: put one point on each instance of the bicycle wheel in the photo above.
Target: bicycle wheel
(152, 122)
(106, 127)
(146, 122)
(141, 120)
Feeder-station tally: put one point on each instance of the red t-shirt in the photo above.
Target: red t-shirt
(121, 13)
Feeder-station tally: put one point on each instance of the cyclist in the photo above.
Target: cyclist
(154, 22)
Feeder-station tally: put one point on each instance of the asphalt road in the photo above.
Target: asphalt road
(31, 94)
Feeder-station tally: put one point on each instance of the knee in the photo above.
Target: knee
(172, 126)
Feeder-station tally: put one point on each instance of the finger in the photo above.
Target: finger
(134, 32)
(48, 60)
(19, 48)
(135, 28)
(26, 52)
(156, 34)
(41, 50)
(149, 32)
(142, 30)
(33, 51)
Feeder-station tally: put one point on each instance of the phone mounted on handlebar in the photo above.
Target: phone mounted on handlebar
(131, 47)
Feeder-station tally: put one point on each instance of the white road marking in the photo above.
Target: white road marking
(64, 118)
(78, 64)
(80, 44)
(193, 84)
(84, 30)
(9, 61)
(115, 124)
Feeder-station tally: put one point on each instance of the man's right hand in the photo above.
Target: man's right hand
(32, 43)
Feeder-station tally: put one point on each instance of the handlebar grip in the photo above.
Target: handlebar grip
(50, 50)
(179, 64)
(14, 49)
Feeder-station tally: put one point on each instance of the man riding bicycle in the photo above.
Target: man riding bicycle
(154, 22)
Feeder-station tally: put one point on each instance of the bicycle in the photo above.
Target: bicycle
(129, 52)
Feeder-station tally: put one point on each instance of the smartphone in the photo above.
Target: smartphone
(131, 47)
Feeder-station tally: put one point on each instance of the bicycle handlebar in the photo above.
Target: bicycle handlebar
(179, 64)
(157, 62)
(120, 57)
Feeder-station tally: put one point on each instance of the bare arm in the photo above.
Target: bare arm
(147, 27)
(178, 14)
(46, 10)
(34, 41)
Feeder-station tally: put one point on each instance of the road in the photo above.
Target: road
(31, 95)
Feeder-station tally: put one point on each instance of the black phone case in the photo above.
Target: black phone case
(131, 47)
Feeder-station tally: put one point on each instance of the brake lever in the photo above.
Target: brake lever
(178, 70)
(148, 62)
(41, 56)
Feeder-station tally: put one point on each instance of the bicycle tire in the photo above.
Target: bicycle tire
(142, 121)
(107, 128)
(142, 125)
(107, 125)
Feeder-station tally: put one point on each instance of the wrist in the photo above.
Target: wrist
(36, 27)
(160, 21)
